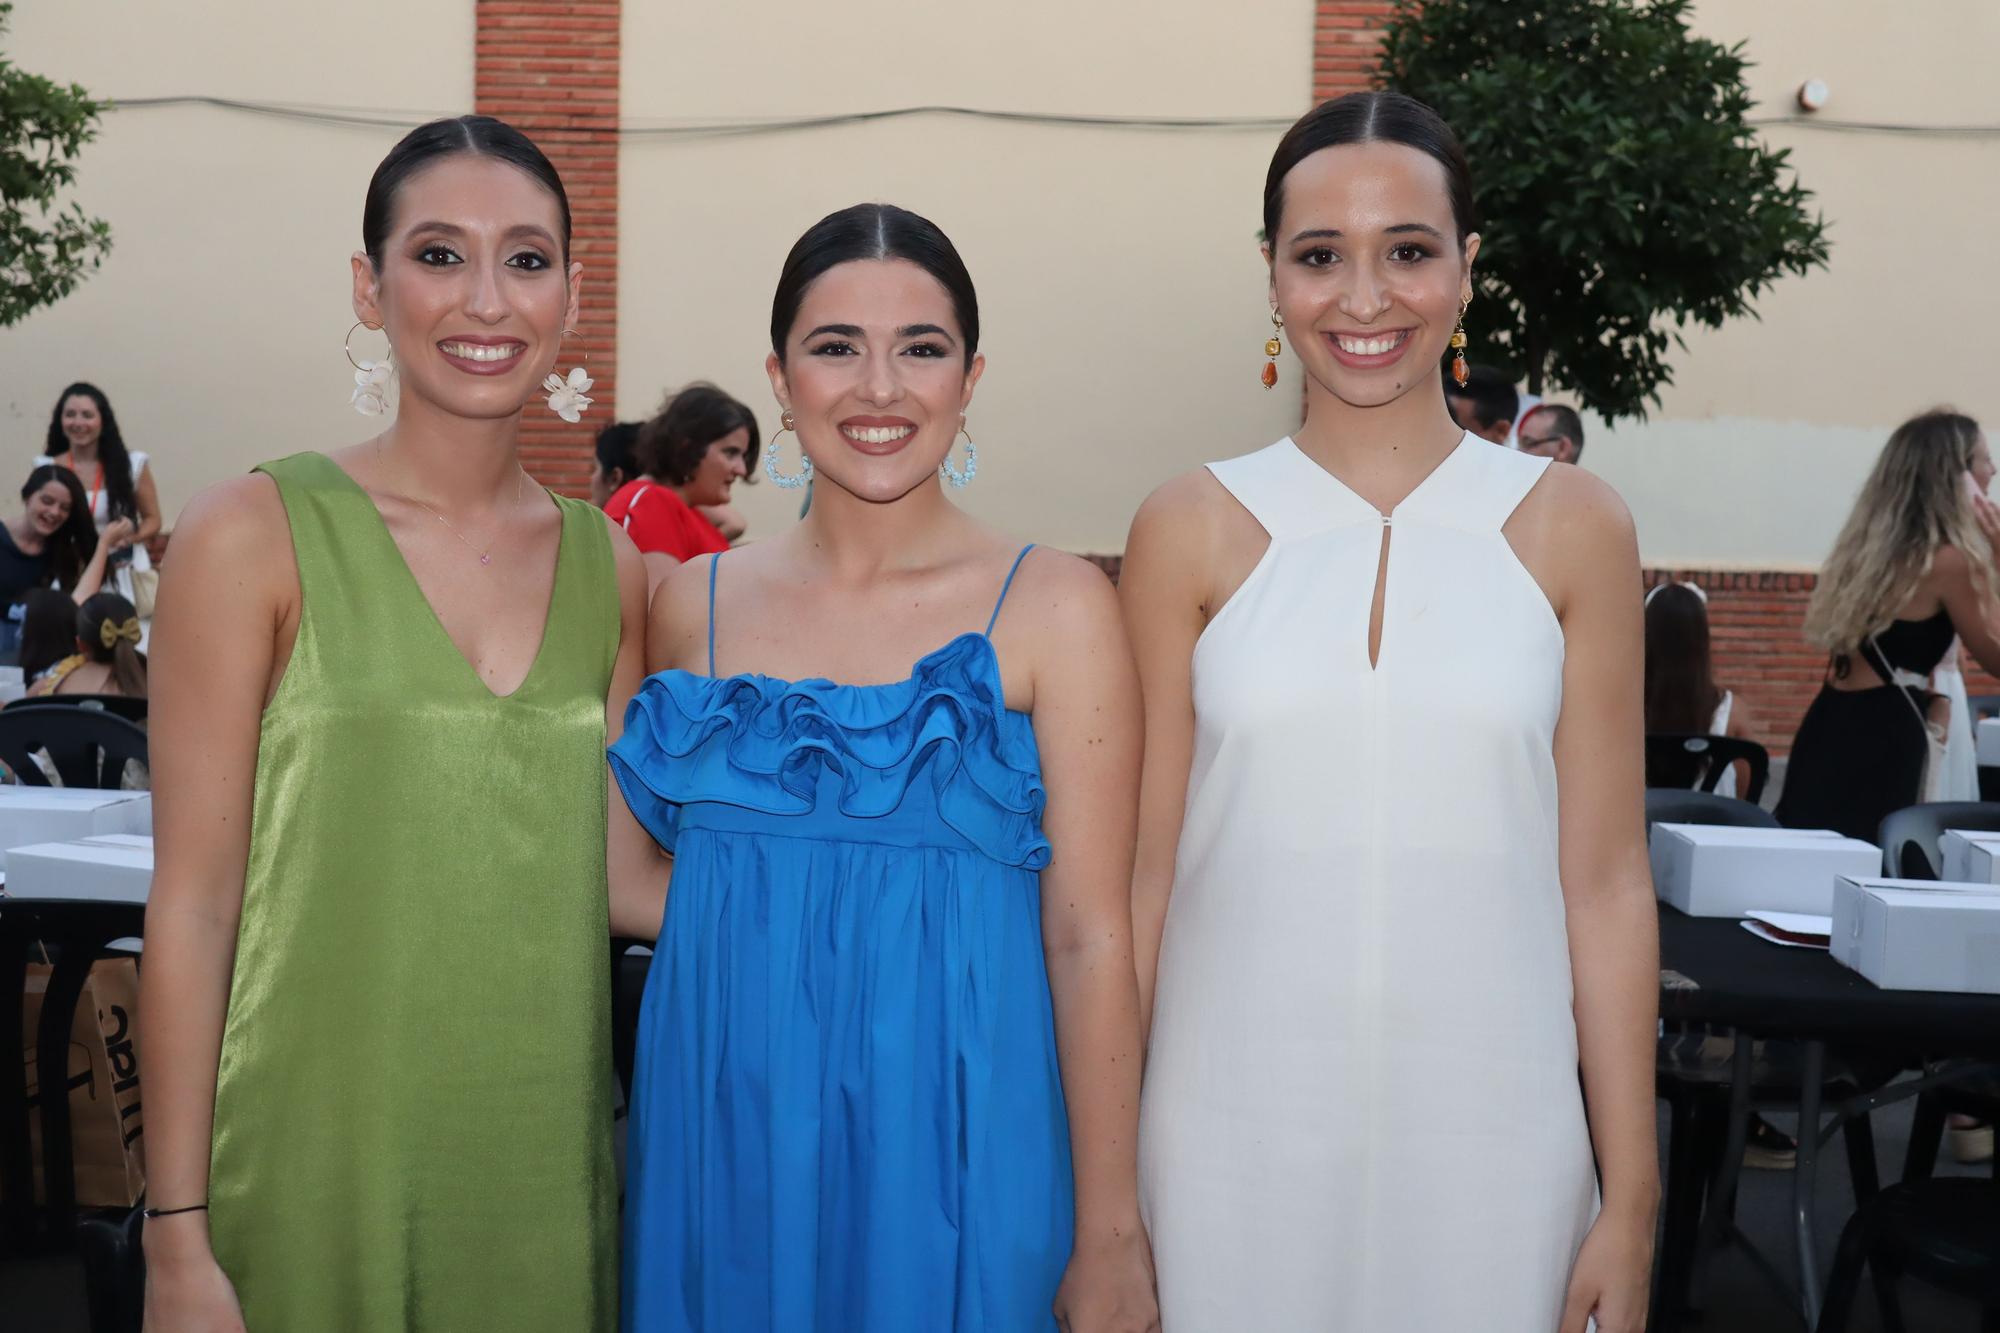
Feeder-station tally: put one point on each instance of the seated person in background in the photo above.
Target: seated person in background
(1485, 404)
(611, 465)
(1551, 430)
(107, 660)
(616, 462)
(50, 543)
(48, 632)
(1682, 697)
(700, 444)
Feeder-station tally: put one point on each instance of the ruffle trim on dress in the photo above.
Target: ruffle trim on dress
(762, 743)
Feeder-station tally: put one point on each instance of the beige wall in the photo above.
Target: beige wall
(215, 326)
(1762, 443)
(1121, 293)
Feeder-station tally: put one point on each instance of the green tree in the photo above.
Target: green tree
(45, 249)
(1621, 193)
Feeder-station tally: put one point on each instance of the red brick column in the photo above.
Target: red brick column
(552, 69)
(1346, 35)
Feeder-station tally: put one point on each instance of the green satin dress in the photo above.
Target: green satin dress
(412, 1115)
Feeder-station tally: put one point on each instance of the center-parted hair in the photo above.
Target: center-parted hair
(672, 444)
(1372, 117)
(873, 231)
(120, 486)
(1913, 502)
(428, 144)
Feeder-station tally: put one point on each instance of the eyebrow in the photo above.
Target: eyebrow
(452, 229)
(856, 331)
(1400, 229)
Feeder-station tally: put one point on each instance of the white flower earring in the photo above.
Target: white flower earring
(568, 396)
(961, 476)
(371, 378)
(805, 472)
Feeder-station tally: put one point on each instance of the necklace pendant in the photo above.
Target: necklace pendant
(485, 559)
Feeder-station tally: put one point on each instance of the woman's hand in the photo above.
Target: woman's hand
(1988, 516)
(186, 1290)
(1612, 1277)
(117, 534)
(1108, 1287)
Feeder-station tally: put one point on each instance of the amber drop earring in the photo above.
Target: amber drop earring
(1459, 370)
(1271, 349)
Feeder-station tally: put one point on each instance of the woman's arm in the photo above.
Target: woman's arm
(635, 868)
(1087, 727)
(223, 609)
(725, 519)
(1160, 593)
(1583, 537)
(1972, 613)
(117, 534)
(147, 495)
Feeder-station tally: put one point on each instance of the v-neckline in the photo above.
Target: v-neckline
(1464, 440)
(437, 621)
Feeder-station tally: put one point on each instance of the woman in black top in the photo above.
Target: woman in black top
(51, 542)
(1913, 568)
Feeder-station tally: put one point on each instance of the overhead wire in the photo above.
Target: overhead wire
(718, 128)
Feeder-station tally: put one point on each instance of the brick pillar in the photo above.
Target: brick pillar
(1346, 35)
(552, 70)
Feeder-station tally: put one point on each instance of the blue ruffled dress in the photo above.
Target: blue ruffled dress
(846, 1111)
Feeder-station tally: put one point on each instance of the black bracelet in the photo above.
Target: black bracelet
(169, 1212)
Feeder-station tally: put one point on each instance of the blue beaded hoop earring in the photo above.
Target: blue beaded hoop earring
(971, 470)
(796, 479)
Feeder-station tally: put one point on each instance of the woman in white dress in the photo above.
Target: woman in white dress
(1373, 657)
(117, 484)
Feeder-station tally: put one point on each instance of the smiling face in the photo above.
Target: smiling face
(720, 468)
(82, 423)
(875, 377)
(472, 292)
(1367, 271)
(48, 508)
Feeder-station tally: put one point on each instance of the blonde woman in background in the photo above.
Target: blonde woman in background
(1912, 570)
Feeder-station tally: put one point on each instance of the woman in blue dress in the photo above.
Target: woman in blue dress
(888, 1061)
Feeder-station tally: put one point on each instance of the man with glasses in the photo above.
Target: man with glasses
(1552, 431)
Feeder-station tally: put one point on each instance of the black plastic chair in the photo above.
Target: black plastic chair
(1678, 805)
(628, 991)
(1977, 1095)
(114, 1271)
(1910, 837)
(1943, 1232)
(1698, 762)
(131, 708)
(88, 748)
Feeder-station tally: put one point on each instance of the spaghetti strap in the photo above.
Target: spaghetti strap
(713, 560)
(993, 620)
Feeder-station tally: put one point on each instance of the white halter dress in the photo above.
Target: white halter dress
(1362, 1109)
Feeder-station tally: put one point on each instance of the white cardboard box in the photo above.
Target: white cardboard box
(1722, 870)
(118, 868)
(1919, 934)
(63, 814)
(1986, 748)
(1971, 856)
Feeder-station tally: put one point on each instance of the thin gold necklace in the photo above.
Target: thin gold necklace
(486, 554)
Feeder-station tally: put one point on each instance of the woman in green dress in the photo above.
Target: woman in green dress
(375, 994)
